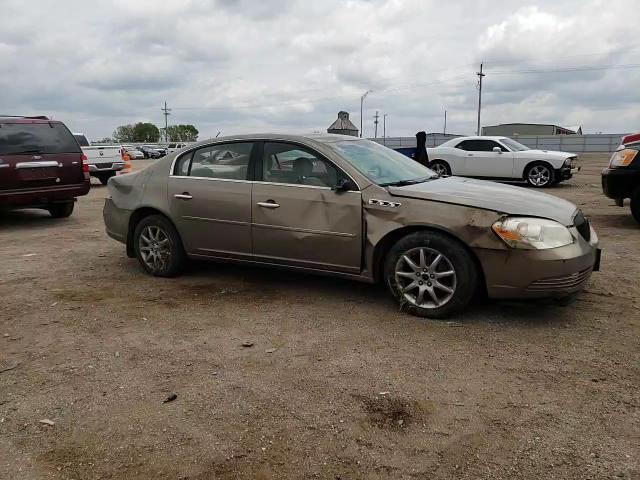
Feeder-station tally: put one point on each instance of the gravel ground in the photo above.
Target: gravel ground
(338, 383)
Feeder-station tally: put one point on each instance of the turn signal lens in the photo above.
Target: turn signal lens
(532, 233)
(623, 158)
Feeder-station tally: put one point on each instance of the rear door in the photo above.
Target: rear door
(297, 219)
(38, 155)
(482, 161)
(210, 198)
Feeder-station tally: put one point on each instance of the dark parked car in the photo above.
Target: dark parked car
(149, 152)
(622, 178)
(352, 208)
(41, 165)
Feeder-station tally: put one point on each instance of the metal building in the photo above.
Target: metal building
(513, 129)
(343, 126)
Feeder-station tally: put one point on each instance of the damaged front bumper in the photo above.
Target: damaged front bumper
(556, 272)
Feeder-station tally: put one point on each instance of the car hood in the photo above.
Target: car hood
(546, 153)
(494, 196)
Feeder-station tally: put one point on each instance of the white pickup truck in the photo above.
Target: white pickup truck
(104, 160)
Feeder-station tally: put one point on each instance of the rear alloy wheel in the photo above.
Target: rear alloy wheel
(540, 175)
(440, 167)
(61, 210)
(431, 274)
(158, 246)
(635, 204)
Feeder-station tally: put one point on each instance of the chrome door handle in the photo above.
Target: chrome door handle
(183, 196)
(270, 204)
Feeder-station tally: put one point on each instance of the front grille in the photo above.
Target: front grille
(582, 225)
(564, 282)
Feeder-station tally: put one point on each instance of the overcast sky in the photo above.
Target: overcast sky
(240, 66)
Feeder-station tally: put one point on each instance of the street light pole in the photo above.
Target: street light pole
(480, 76)
(384, 129)
(364, 95)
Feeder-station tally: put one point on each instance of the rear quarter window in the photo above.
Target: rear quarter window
(34, 138)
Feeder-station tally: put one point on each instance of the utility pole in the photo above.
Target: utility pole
(375, 125)
(364, 95)
(166, 114)
(480, 76)
(384, 129)
(444, 130)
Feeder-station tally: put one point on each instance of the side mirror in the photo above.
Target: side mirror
(497, 149)
(343, 185)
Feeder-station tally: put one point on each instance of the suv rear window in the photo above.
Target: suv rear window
(32, 138)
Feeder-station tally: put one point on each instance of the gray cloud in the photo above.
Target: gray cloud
(290, 65)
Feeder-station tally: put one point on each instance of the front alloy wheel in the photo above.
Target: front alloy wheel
(431, 274)
(540, 175)
(425, 277)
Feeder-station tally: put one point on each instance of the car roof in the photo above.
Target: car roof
(18, 119)
(480, 137)
(314, 137)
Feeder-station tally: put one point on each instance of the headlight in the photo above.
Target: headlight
(567, 161)
(532, 233)
(623, 157)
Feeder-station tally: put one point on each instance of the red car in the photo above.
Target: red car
(41, 165)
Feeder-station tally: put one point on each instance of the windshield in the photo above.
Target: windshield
(382, 165)
(513, 145)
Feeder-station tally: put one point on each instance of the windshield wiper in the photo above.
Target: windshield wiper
(403, 183)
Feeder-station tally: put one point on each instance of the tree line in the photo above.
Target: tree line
(145, 132)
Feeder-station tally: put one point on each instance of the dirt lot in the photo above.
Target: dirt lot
(354, 390)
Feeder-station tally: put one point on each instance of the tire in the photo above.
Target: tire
(440, 167)
(540, 175)
(104, 177)
(160, 251)
(635, 204)
(61, 210)
(453, 257)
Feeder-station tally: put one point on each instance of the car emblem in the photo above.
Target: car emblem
(384, 203)
(101, 154)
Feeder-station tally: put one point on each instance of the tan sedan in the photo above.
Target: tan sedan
(349, 207)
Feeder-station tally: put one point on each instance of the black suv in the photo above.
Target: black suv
(622, 178)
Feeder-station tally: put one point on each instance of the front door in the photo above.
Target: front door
(210, 198)
(482, 161)
(297, 219)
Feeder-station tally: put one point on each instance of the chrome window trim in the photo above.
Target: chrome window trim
(260, 182)
(303, 186)
(211, 179)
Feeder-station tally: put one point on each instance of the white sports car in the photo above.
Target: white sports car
(501, 158)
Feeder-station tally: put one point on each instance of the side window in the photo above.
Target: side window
(479, 146)
(225, 161)
(288, 163)
(183, 164)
